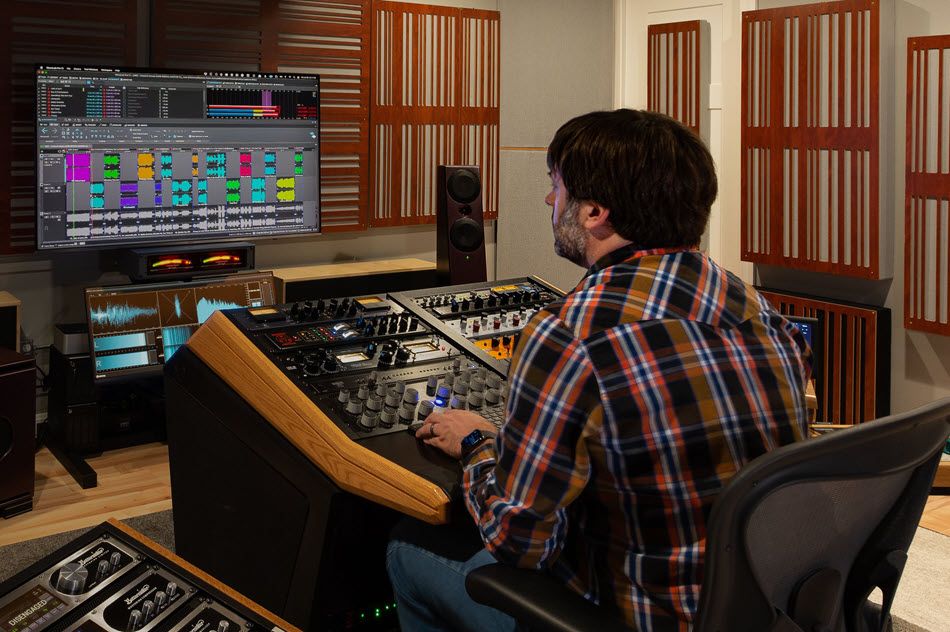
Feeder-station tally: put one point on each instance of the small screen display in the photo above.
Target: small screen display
(35, 610)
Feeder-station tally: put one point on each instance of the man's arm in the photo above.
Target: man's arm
(518, 488)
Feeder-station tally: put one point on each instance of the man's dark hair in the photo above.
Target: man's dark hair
(655, 176)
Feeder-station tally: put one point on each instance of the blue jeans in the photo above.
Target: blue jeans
(430, 592)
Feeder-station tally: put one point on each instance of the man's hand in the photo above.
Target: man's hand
(446, 430)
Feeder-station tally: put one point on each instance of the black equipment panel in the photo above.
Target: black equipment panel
(106, 581)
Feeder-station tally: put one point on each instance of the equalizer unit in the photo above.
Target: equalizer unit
(113, 579)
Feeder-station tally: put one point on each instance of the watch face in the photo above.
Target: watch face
(472, 438)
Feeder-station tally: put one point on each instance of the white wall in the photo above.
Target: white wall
(920, 363)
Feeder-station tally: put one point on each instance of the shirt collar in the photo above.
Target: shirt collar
(629, 253)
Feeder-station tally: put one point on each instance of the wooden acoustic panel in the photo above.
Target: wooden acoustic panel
(674, 71)
(326, 37)
(927, 186)
(853, 355)
(95, 32)
(435, 101)
(811, 137)
(236, 360)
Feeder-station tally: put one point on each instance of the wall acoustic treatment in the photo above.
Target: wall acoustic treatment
(327, 37)
(675, 71)
(46, 32)
(853, 371)
(811, 141)
(927, 182)
(435, 101)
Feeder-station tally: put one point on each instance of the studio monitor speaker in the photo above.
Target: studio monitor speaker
(460, 241)
(9, 321)
(17, 431)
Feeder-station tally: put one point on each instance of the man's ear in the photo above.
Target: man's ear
(596, 216)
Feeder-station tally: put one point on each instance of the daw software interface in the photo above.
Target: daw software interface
(132, 157)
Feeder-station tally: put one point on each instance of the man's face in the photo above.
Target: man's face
(570, 238)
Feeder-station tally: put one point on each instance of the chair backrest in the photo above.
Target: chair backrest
(802, 535)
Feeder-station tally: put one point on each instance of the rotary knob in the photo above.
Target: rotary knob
(369, 419)
(402, 355)
(374, 403)
(148, 610)
(329, 365)
(492, 396)
(354, 407)
(443, 391)
(407, 412)
(381, 390)
(425, 409)
(386, 358)
(456, 363)
(459, 401)
(161, 600)
(449, 379)
(392, 399)
(171, 590)
(135, 620)
(493, 381)
(362, 392)
(103, 569)
(460, 388)
(475, 401)
(223, 626)
(72, 579)
(478, 384)
(431, 384)
(387, 418)
(115, 560)
(411, 396)
(343, 396)
(399, 387)
(481, 372)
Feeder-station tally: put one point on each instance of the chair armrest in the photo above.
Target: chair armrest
(538, 600)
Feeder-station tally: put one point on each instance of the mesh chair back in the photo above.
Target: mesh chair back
(800, 536)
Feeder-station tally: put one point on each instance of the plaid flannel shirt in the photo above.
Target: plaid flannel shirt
(633, 401)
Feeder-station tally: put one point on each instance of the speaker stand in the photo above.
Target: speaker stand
(75, 464)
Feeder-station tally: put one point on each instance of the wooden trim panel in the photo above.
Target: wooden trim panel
(355, 469)
(161, 551)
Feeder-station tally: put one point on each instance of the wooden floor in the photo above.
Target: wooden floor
(134, 481)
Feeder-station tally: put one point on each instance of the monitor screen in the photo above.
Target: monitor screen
(135, 329)
(807, 326)
(132, 157)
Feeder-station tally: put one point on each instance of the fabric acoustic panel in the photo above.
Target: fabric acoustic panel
(927, 186)
(674, 71)
(101, 32)
(853, 355)
(326, 37)
(811, 138)
(435, 101)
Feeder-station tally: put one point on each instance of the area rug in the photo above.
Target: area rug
(922, 603)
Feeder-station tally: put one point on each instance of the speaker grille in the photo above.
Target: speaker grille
(463, 186)
(466, 234)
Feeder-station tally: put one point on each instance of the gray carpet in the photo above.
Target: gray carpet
(926, 570)
(16, 557)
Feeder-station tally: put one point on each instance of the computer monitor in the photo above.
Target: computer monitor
(134, 157)
(135, 329)
(808, 326)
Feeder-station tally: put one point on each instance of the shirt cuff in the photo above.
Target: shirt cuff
(485, 451)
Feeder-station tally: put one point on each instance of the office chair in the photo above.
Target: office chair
(795, 543)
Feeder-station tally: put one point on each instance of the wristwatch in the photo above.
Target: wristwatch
(472, 440)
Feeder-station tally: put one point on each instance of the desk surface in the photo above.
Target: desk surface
(351, 268)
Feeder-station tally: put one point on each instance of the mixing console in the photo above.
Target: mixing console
(377, 364)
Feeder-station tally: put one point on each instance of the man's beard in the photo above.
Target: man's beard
(570, 239)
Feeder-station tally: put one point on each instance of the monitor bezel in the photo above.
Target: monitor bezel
(178, 239)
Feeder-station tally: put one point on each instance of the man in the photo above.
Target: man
(634, 399)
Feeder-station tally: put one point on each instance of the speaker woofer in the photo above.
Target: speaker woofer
(463, 186)
(466, 235)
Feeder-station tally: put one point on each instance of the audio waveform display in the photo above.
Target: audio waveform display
(112, 315)
(135, 359)
(120, 341)
(174, 338)
(206, 307)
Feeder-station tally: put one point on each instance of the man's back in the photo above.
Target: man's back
(640, 394)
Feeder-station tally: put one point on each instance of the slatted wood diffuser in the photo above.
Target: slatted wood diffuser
(811, 142)
(674, 71)
(327, 37)
(32, 32)
(435, 101)
(853, 355)
(927, 186)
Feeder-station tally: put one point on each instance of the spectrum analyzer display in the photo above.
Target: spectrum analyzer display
(135, 157)
(135, 329)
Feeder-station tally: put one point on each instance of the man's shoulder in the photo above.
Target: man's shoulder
(681, 286)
